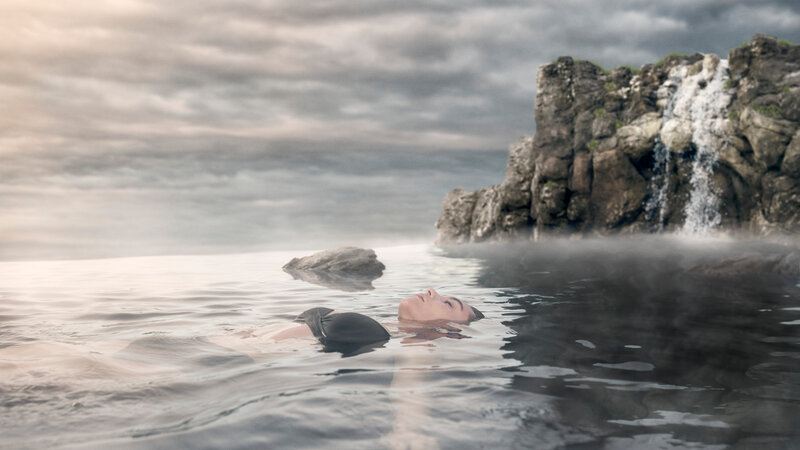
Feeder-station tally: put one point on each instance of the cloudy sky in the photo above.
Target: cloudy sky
(140, 127)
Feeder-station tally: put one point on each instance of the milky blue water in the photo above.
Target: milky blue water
(585, 344)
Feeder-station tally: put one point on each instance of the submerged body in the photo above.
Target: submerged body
(331, 327)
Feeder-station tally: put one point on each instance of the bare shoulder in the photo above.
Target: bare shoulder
(278, 332)
(293, 332)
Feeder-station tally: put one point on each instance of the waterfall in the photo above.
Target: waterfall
(696, 110)
(659, 183)
(708, 113)
(659, 187)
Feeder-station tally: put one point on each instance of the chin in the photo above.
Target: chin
(404, 309)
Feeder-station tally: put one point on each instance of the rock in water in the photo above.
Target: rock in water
(345, 268)
(345, 260)
(692, 143)
(457, 217)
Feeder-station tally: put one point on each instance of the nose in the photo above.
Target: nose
(431, 292)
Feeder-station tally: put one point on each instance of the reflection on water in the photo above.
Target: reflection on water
(333, 280)
(585, 344)
(632, 342)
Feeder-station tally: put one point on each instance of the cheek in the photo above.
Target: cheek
(439, 311)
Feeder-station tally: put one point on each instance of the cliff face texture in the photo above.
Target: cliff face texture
(693, 143)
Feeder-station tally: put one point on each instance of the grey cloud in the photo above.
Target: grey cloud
(191, 118)
(244, 64)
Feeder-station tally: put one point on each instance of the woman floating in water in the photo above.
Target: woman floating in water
(347, 330)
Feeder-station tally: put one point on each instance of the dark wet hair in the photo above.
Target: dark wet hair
(343, 330)
(476, 315)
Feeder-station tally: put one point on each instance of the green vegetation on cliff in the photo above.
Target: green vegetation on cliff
(768, 110)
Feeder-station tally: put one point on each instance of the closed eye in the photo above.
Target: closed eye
(449, 304)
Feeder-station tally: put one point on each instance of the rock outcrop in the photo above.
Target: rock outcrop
(346, 268)
(694, 143)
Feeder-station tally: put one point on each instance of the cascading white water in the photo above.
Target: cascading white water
(659, 183)
(708, 114)
(659, 187)
(695, 112)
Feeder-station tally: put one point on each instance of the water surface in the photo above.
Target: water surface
(585, 344)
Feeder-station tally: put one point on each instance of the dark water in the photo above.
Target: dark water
(639, 350)
(585, 344)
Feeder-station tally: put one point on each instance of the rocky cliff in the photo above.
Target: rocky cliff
(693, 143)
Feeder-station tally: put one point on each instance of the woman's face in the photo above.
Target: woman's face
(429, 305)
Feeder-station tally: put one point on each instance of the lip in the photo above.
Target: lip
(421, 298)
